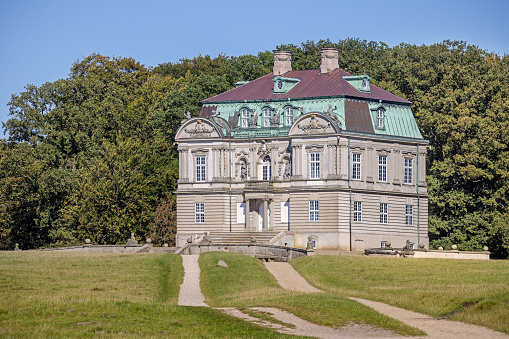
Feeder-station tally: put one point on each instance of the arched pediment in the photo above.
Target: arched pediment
(199, 128)
(314, 123)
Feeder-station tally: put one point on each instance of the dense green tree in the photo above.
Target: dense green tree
(92, 155)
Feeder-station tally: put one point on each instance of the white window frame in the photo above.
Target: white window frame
(382, 168)
(267, 117)
(409, 215)
(380, 118)
(266, 168)
(201, 169)
(314, 210)
(244, 115)
(314, 165)
(199, 212)
(357, 211)
(356, 166)
(384, 213)
(408, 170)
(289, 116)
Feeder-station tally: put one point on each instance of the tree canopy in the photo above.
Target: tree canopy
(92, 155)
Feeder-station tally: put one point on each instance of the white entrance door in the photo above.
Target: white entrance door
(260, 218)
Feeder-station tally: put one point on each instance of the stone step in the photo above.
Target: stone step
(240, 237)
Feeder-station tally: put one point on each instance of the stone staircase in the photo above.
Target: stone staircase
(241, 237)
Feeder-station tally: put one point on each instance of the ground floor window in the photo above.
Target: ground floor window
(200, 212)
(409, 214)
(383, 213)
(313, 210)
(357, 211)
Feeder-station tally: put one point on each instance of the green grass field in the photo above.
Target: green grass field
(62, 295)
(85, 295)
(472, 291)
(246, 283)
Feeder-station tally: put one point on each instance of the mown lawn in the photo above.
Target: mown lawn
(246, 283)
(472, 291)
(85, 295)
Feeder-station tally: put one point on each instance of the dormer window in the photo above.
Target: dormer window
(289, 116)
(267, 114)
(284, 85)
(244, 115)
(380, 118)
(365, 83)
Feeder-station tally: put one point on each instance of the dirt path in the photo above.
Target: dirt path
(289, 278)
(435, 328)
(190, 292)
(305, 328)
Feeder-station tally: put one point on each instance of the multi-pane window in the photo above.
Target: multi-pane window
(288, 116)
(409, 215)
(314, 165)
(356, 166)
(267, 112)
(380, 114)
(407, 177)
(200, 168)
(200, 212)
(357, 211)
(383, 213)
(313, 210)
(382, 168)
(266, 168)
(244, 114)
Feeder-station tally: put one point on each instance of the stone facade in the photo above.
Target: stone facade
(322, 155)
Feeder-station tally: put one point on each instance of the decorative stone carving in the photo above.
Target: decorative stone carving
(288, 169)
(332, 115)
(264, 148)
(199, 131)
(253, 119)
(132, 241)
(314, 126)
(275, 118)
(243, 170)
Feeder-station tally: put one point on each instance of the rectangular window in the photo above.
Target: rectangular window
(313, 210)
(200, 168)
(356, 166)
(380, 118)
(200, 212)
(314, 165)
(285, 211)
(241, 213)
(288, 116)
(409, 215)
(245, 117)
(408, 171)
(382, 168)
(267, 117)
(383, 213)
(357, 211)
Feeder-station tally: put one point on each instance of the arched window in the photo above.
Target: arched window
(266, 168)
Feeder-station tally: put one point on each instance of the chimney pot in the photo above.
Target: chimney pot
(329, 60)
(282, 62)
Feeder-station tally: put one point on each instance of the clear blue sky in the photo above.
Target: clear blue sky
(40, 40)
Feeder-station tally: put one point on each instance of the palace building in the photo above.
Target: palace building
(321, 155)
